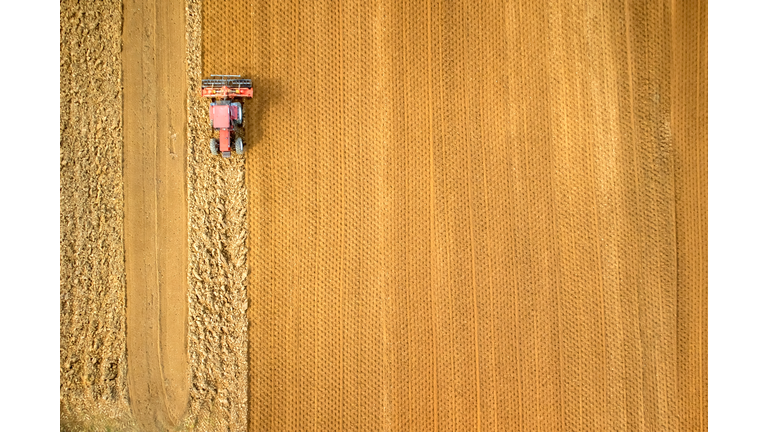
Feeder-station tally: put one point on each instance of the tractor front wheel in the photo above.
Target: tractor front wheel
(239, 146)
(214, 146)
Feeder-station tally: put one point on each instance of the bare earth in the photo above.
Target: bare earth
(155, 210)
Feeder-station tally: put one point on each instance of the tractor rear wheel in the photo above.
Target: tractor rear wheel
(239, 145)
(214, 146)
(239, 119)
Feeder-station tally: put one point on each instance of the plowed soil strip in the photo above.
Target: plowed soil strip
(155, 209)
(689, 127)
(462, 214)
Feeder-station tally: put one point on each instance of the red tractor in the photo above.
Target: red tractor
(225, 114)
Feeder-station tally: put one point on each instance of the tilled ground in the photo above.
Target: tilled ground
(473, 215)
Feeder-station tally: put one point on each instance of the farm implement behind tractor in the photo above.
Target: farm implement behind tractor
(226, 114)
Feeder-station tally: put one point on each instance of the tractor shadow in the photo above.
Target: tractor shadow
(266, 94)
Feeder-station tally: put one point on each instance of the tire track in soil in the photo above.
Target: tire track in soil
(154, 43)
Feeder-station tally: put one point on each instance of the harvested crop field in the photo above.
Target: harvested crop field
(449, 215)
(93, 375)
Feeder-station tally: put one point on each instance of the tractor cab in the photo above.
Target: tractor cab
(223, 115)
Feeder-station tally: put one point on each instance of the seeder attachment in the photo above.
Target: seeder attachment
(227, 87)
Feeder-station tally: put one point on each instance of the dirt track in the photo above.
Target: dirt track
(449, 215)
(154, 73)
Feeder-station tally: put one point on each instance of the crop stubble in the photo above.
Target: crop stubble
(93, 363)
(218, 199)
